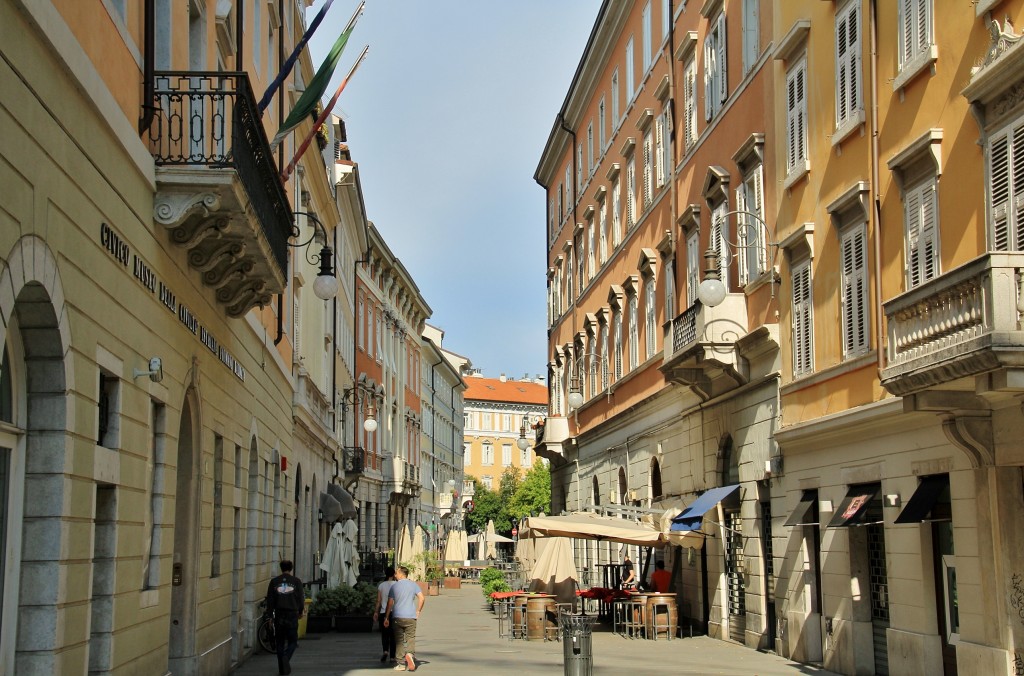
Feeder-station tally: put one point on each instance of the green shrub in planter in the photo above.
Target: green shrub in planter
(492, 580)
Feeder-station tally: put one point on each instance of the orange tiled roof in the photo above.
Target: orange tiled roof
(512, 391)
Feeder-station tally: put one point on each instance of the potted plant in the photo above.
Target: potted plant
(323, 609)
(355, 607)
(492, 580)
(432, 573)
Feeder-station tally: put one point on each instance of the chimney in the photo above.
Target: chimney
(502, 377)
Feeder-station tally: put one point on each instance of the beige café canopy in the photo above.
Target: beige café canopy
(590, 526)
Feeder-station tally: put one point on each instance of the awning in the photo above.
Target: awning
(344, 498)
(861, 507)
(806, 512)
(330, 509)
(691, 518)
(590, 526)
(931, 492)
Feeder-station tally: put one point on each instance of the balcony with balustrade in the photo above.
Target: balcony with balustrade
(552, 438)
(959, 327)
(701, 346)
(219, 194)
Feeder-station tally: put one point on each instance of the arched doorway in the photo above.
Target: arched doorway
(33, 425)
(182, 659)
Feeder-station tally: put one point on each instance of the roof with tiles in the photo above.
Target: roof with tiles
(511, 391)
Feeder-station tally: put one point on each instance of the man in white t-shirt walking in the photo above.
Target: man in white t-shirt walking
(405, 601)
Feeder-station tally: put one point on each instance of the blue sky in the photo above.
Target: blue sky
(447, 118)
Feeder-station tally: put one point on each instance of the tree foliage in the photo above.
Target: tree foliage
(517, 496)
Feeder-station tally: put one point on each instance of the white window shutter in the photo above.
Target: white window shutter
(854, 297)
(912, 208)
(929, 232)
(720, 66)
(659, 151)
(631, 193)
(1018, 183)
(802, 319)
(999, 192)
(648, 158)
(692, 268)
(709, 69)
(842, 68)
(758, 208)
(742, 235)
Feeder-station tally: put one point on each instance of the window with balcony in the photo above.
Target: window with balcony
(803, 319)
(1006, 187)
(849, 109)
(716, 87)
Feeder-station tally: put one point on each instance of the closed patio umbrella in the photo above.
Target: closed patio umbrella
(555, 572)
(333, 562)
(491, 552)
(349, 553)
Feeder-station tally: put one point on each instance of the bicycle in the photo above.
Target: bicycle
(265, 635)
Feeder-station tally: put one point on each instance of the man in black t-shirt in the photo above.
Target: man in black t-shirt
(628, 574)
(286, 601)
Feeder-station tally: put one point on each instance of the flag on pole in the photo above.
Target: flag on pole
(323, 116)
(318, 85)
(286, 68)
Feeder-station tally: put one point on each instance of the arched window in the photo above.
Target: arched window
(656, 491)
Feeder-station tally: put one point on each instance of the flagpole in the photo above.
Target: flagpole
(323, 116)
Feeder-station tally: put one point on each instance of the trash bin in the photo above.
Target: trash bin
(577, 632)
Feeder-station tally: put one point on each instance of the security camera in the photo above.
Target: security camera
(155, 372)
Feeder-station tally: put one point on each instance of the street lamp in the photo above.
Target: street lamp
(325, 286)
(712, 290)
(575, 398)
(522, 442)
(353, 398)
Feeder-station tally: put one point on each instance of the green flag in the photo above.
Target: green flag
(314, 90)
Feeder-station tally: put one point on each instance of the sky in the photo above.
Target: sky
(447, 118)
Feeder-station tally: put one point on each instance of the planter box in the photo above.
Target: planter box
(317, 624)
(434, 588)
(453, 583)
(353, 623)
(423, 587)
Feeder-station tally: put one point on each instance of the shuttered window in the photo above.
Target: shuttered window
(848, 63)
(692, 268)
(796, 117)
(616, 213)
(803, 320)
(591, 264)
(618, 344)
(670, 289)
(648, 177)
(604, 356)
(922, 233)
(660, 160)
(716, 89)
(604, 232)
(1006, 187)
(751, 34)
(631, 193)
(855, 292)
(753, 258)
(634, 331)
(915, 17)
(690, 102)
(719, 237)
(650, 335)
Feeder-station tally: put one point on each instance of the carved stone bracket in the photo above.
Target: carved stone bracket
(972, 433)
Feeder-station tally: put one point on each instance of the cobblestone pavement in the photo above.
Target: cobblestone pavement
(458, 635)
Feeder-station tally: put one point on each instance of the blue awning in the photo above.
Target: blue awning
(690, 518)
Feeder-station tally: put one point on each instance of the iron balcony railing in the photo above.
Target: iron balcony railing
(211, 119)
(353, 459)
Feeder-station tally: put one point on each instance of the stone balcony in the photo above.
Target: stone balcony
(552, 439)
(701, 350)
(219, 194)
(956, 327)
(313, 403)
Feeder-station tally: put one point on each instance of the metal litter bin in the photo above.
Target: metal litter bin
(577, 632)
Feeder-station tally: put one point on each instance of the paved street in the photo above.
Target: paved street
(457, 635)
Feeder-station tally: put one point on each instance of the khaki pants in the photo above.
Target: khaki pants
(405, 635)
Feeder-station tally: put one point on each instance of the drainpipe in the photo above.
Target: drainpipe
(149, 52)
(876, 202)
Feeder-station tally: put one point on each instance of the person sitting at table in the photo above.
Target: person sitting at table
(628, 574)
(660, 578)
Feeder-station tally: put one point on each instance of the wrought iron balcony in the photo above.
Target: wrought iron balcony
(700, 345)
(956, 326)
(218, 191)
(353, 460)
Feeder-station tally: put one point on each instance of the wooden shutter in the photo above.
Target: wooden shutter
(631, 193)
(742, 236)
(1017, 175)
(854, 298)
(999, 192)
(906, 31)
(709, 70)
(692, 268)
(649, 319)
(659, 151)
(604, 356)
(690, 96)
(802, 319)
(719, 237)
(795, 112)
(922, 233)
(720, 66)
(842, 67)
(618, 344)
(648, 159)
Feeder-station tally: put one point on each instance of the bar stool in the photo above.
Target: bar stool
(503, 609)
(517, 615)
(620, 616)
(636, 616)
(661, 619)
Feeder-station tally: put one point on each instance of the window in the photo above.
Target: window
(579, 168)
(506, 455)
(848, 65)
(568, 189)
(488, 454)
(796, 119)
(361, 324)
(604, 356)
(616, 213)
(670, 287)
(1006, 187)
(753, 259)
(570, 281)
(666, 18)
(581, 280)
(855, 292)
(648, 177)
(690, 103)
(257, 30)
(591, 263)
(716, 88)
(634, 331)
(506, 422)
(487, 425)
(662, 153)
(618, 344)
(631, 193)
(751, 34)
(590, 150)
(692, 267)
(649, 318)
(647, 37)
(803, 319)
(630, 84)
(604, 233)
(467, 457)
(486, 481)
(108, 428)
(915, 38)
(922, 233)
(615, 98)
(719, 239)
